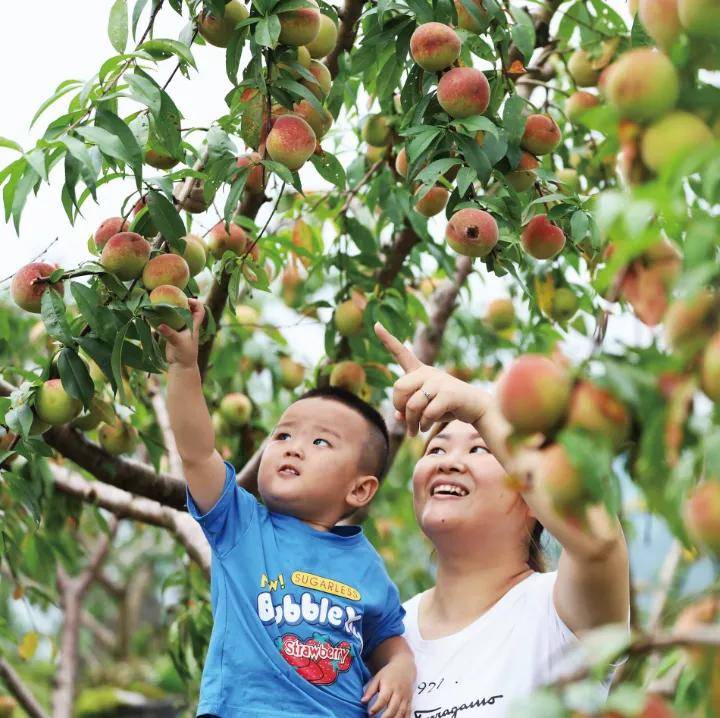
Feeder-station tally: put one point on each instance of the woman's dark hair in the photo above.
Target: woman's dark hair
(536, 556)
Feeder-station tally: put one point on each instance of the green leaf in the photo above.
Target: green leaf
(579, 225)
(10, 144)
(112, 123)
(267, 31)
(513, 119)
(236, 190)
(53, 316)
(80, 152)
(329, 168)
(118, 25)
(20, 194)
(75, 377)
(523, 32)
(116, 360)
(165, 216)
(100, 319)
(164, 48)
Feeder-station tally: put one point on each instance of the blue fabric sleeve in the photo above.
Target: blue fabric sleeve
(385, 623)
(226, 522)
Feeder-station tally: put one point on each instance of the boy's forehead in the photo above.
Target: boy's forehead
(332, 414)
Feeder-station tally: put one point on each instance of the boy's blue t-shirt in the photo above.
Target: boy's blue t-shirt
(297, 612)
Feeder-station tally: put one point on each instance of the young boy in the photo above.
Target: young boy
(302, 608)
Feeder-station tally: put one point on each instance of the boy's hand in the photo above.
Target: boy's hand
(182, 347)
(393, 686)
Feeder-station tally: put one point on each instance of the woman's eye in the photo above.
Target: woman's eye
(484, 449)
(315, 441)
(435, 450)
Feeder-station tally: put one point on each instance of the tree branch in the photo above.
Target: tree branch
(346, 34)
(405, 240)
(20, 691)
(163, 420)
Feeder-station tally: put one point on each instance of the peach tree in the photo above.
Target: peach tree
(526, 189)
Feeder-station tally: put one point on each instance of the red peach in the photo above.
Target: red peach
(472, 232)
(469, 22)
(109, 228)
(541, 238)
(348, 375)
(26, 291)
(463, 92)
(523, 177)
(125, 255)
(234, 239)
(323, 79)
(299, 26)
(254, 183)
(168, 294)
(320, 122)
(598, 411)
(578, 103)
(660, 19)
(559, 479)
(541, 135)
(291, 141)
(326, 39)
(195, 253)
(166, 269)
(433, 202)
(434, 46)
(702, 516)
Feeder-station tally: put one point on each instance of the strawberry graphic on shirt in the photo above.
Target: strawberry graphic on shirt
(318, 660)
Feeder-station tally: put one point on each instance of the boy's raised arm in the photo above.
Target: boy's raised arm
(189, 417)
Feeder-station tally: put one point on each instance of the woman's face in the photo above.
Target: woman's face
(459, 485)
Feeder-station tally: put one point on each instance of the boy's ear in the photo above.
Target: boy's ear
(362, 491)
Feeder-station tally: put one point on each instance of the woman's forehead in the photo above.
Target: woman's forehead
(458, 430)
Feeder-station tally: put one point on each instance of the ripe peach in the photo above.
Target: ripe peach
(7, 706)
(376, 130)
(673, 136)
(118, 438)
(195, 253)
(301, 25)
(564, 304)
(523, 177)
(291, 283)
(541, 135)
(710, 370)
(533, 393)
(219, 31)
(434, 46)
(700, 18)
(54, 405)
(292, 373)
(109, 228)
(689, 322)
(598, 411)
(320, 122)
(236, 409)
(660, 19)
(702, 516)
(472, 232)
(324, 42)
(254, 183)
(26, 291)
(541, 238)
(233, 239)
(166, 269)
(578, 103)
(291, 141)
(253, 109)
(463, 92)
(580, 67)
(174, 296)
(470, 22)
(348, 375)
(642, 84)
(349, 318)
(500, 314)
(433, 202)
(125, 255)
(401, 163)
(159, 160)
(323, 80)
(559, 479)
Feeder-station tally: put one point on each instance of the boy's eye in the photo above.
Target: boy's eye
(315, 441)
(281, 435)
(484, 449)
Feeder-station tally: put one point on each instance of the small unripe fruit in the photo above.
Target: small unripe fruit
(578, 103)
(463, 92)
(247, 316)
(323, 80)
(292, 373)
(564, 305)
(320, 122)
(299, 26)
(326, 39)
(660, 19)
(673, 136)
(118, 438)
(700, 18)
(166, 269)
(349, 318)
(87, 421)
(469, 22)
(195, 253)
(126, 255)
(348, 375)
(472, 232)
(236, 409)
(254, 183)
(642, 84)
(541, 238)
(559, 479)
(223, 240)
(580, 67)
(291, 141)
(159, 160)
(433, 202)
(219, 31)
(688, 322)
(523, 177)
(568, 177)
(533, 394)
(541, 135)
(500, 314)
(710, 370)
(109, 228)
(702, 516)
(434, 46)
(54, 405)
(401, 163)
(376, 131)
(598, 411)
(26, 291)
(168, 294)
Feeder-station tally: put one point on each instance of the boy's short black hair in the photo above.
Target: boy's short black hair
(376, 449)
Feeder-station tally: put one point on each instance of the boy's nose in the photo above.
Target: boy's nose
(294, 451)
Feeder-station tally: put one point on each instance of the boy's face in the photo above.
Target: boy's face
(311, 462)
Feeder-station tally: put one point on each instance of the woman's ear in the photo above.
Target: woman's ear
(362, 491)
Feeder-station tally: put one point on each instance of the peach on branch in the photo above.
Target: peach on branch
(700, 18)
(254, 183)
(231, 239)
(109, 228)
(219, 31)
(472, 22)
(578, 103)
(88, 421)
(323, 80)
(434, 46)
(541, 238)
(710, 369)
(564, 304)
(596, 410)
(500, 314)
(673, 136)
(581, 69)
(689, 322)
(126, 255)
(301, 25)
(541, 135)
(118, 438)
(463, 92)
(173, 296)
(349, 318)
(247, 316)
(292, 373)
(401, 163)
(26, 288)
(560, 480)
(702, 516)
(375, 154)
(348, 375)
(472, 232)
(320, 122)
(324, 42)
(301, 55)
(159, 160)
(642, 84)
(195, 253)
(533, 394)
(569, 180)
(660, 19)
(523, 177)
(376, 130)
(166, 269)
(54, 405)
(432, 202)
(253, 110)
(291, 141)
(236, 409)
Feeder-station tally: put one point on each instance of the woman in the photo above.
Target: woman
(494, 627)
